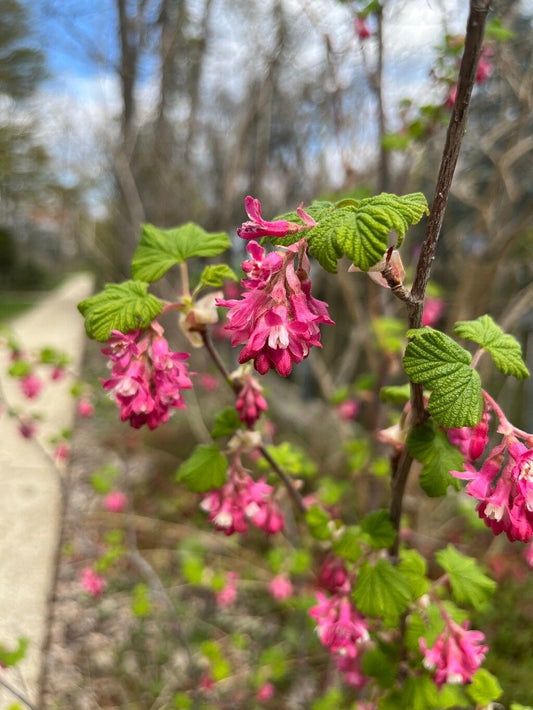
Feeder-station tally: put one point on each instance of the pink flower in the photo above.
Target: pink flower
(250, 401)
(258, 227)
(58, 373)
(242, 500)
(280, 587)
(277, 319)
(265, 693)
(340, 626)
(85, 408)
(484, 67)
(505, 494)
(92, 582)
(227, 595)
(451, 98)
(456, 654)
(62, 452)
(146, 376)
(471, 441)
(31, 386)
(348, 410)
(433, 309)
(333, 576)
(361, 28)
(351, 670)
(115, 501)
(208, 382)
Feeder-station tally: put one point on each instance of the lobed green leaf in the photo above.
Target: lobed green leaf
(437, 362)
(430, 445)
(215, 274)
(122, 307)
(206, 468)
(226, 423)
(379, 529)
(470, 585)
(484, 688)
(160, 249)
(504, 349)
(381, 591)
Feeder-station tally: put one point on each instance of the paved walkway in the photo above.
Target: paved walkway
(30, 502)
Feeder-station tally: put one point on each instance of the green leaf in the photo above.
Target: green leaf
(379, 529)
(103, 479)
(51, 356)
(12, 657)
(417, 693)
(123, 307)
(206, 468)
(141, 603)
(215, 274)
(452, 696)
(517, 706)
(430, 445)
(395, 141)
(361, 229)
(469, 583)
(331, 700)
(160, 249)
(484, 688)
(434, 360)
(376, 664)
(504, 349)
(226, 423)
(414, 569)
(291, 459)
(398, 394)
(496, 30)
(19, 368)
(381, 590)
(348, 546)
(318, 522)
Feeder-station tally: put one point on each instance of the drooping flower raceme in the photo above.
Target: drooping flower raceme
(146, 376)
(277, 319)
(456, 654)
(342, 629)
(503, 485)
(241, 501)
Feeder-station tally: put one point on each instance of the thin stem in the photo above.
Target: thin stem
(294, 494)
(17, 695)
(506, 427)
(185, 287)
(456, 129)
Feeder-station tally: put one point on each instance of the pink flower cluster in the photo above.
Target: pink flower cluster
(277, 319)
(241, 501)
(504, 483)
(340, 626)
(250, 401)
(147, 377)
(456, 654)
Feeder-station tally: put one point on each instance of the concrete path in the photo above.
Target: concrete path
(30, 501)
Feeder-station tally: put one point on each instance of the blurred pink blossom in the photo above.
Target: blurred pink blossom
(348, 410)
(280, 587)
(115, 501)
(92, 582)
(433, 310)
(227, 595)
(85, 408)
(31, 386)
(265, 693)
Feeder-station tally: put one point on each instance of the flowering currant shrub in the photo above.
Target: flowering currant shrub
(396, 635)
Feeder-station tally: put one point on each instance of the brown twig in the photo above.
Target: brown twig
(456, 129)
(293, 493)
